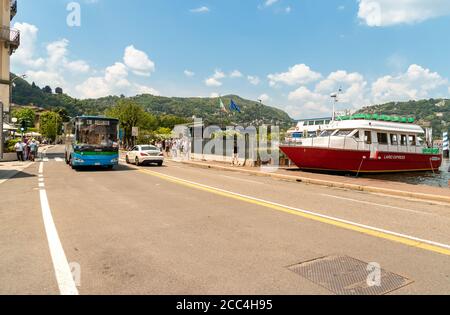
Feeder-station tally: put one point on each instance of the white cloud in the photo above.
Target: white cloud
(269, 3)
(189, 73)
(389, 12)
(43, 78)
(114, 82)
(308, 102)
(138, 61)
(314, 99)
(353, 87)
(200, 10)
(416, 83)
(236, 74)
(298, 74)
(253, 79)
(214, 80)
(25, 54)
(264, 98)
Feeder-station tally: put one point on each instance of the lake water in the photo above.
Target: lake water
(439, 179)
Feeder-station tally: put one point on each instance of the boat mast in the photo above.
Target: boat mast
(335, 97)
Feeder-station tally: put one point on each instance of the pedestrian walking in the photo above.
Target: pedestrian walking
(33, 150)
(19, 151)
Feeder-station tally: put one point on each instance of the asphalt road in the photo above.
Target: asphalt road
(185, 230)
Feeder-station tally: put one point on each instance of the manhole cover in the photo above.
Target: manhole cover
(348, 276)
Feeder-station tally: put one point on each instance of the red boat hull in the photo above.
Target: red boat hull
(325, 159)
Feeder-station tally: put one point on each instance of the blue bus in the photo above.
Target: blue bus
(92, 141)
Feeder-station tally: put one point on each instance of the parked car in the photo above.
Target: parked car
(144, 155)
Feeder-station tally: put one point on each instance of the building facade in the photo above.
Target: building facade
(10, 41)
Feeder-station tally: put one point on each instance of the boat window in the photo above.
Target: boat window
(382, 138)
(327, 133)
(297, 135)
(319, 122)
(412, 140)
(368, 137)
(327, 122)
(403, 140)
(394, 139)
(344, 132)
(311, 123)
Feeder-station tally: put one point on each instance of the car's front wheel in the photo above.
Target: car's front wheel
(137, 162)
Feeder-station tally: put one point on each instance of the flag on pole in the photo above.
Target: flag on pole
(222, 106)
(234, 107)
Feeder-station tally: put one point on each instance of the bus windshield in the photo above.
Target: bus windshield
(96, 132)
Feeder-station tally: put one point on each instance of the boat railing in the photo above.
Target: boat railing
(353, 143)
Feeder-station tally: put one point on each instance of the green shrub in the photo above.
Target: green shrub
(9, 145)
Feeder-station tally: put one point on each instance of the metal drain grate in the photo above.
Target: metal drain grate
(347, 276)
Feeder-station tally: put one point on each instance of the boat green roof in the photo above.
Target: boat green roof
(380, 117)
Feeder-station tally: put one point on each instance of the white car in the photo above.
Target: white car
(145, 154)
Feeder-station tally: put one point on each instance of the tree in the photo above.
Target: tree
(130, 115)
(25, 116)
(50, 124)
(47, 90)
(59, 90)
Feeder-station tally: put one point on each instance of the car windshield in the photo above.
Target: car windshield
(149, 148)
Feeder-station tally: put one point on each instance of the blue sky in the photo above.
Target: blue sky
(290, 53)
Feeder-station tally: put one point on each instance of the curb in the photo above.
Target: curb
(299, 179)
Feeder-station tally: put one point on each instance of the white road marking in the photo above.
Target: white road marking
(62, 269)
(376, 204)
(58, 159)
(45, 159)
(241, 179)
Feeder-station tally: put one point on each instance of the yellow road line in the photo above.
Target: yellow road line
(411, 241)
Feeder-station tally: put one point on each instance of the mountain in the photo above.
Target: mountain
(428, 113)
(206, 108)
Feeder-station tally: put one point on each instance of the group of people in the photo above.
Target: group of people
(175, 148)
(27, 150)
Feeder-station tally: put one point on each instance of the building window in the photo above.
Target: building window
(382, 138)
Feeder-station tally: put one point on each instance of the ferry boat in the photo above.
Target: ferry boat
(366, 144)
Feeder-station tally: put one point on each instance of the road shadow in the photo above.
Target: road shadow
(52, 155)
(19, 175)
(96, 169)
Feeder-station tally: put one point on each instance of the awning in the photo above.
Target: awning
(8, 127)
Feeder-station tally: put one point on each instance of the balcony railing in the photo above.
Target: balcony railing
(11, 38)
(13, 8)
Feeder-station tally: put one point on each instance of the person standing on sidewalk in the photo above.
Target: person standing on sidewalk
(33, 150)
(19, 150)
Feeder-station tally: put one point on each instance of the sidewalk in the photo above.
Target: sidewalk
(421, 192)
